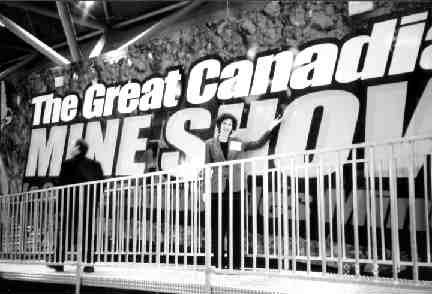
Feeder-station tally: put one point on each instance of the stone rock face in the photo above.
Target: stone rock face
(322, 21)
(272, 9)
(298, 18)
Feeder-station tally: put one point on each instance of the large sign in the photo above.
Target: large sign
(369, 87)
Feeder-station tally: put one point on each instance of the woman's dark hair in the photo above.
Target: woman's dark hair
(225, 116)
(82, 146)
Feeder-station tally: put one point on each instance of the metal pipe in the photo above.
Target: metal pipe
(69, 30)
(158, 27)
(53, 14)
(33, 41)
(106, 11)
(150, 14)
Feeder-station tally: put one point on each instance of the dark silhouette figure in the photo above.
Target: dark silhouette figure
(78, 169)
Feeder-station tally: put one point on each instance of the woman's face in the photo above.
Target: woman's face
(226, 127)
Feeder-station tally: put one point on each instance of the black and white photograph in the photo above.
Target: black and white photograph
(216, 146)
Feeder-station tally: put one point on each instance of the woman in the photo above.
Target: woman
(225, 147)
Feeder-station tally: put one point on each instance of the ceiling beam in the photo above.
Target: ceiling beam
(53, 14)
(69, 30)
(17, 66)
(33, 41)
(158, 27)
(56, 46)
(106, 12)
(151, 14)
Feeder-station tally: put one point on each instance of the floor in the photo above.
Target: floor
(109, 278)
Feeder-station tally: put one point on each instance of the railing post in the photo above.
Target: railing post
(207, 225)
(394, 213)
(412, 210)
(79, 237)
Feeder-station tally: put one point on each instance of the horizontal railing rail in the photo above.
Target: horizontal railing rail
(363, 209)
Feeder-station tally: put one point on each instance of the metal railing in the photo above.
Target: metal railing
(359, 210)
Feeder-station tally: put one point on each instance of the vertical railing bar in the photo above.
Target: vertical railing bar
(2, 229)
(58, 222)
(293, 181)
(429, 201)
(247, 209)
(122, 220)
(321, 223)
(22, 227)
(119, 211)
(158, 219)
(27, 227)
(107, 206)
(412, 210)
(219, 210)
(381, 206)
(330, 208)
(150, 248)
(308, 220)
(80, 232)
(199, 197)
(101, 217)
(141, 227)
(265, 189)
(426, 208)
(177, 238)
(285, 217)
(34, 225)
(338, 215)
(68, 200)
(342, 211)
(113, 220)
(128, 195)
(273, 210)
(20, 234)
(39, 226)
(297, 211)
(19, 228)
(355, 213)
(8, 228)
(373, 211)
(36, 243)
(135, 222)
(242, 215)
(368, 205)
(14, 225)
(8, 225)
(254, 218)
(87, 221)
(208, 224)
(279, 218)
(23, 203)
(172, 220)
(54, 224)
(230, 217)
(145, 194)
(46, 225)
(167, 218)
(393, 213)
(185, 221)
(193, 221)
